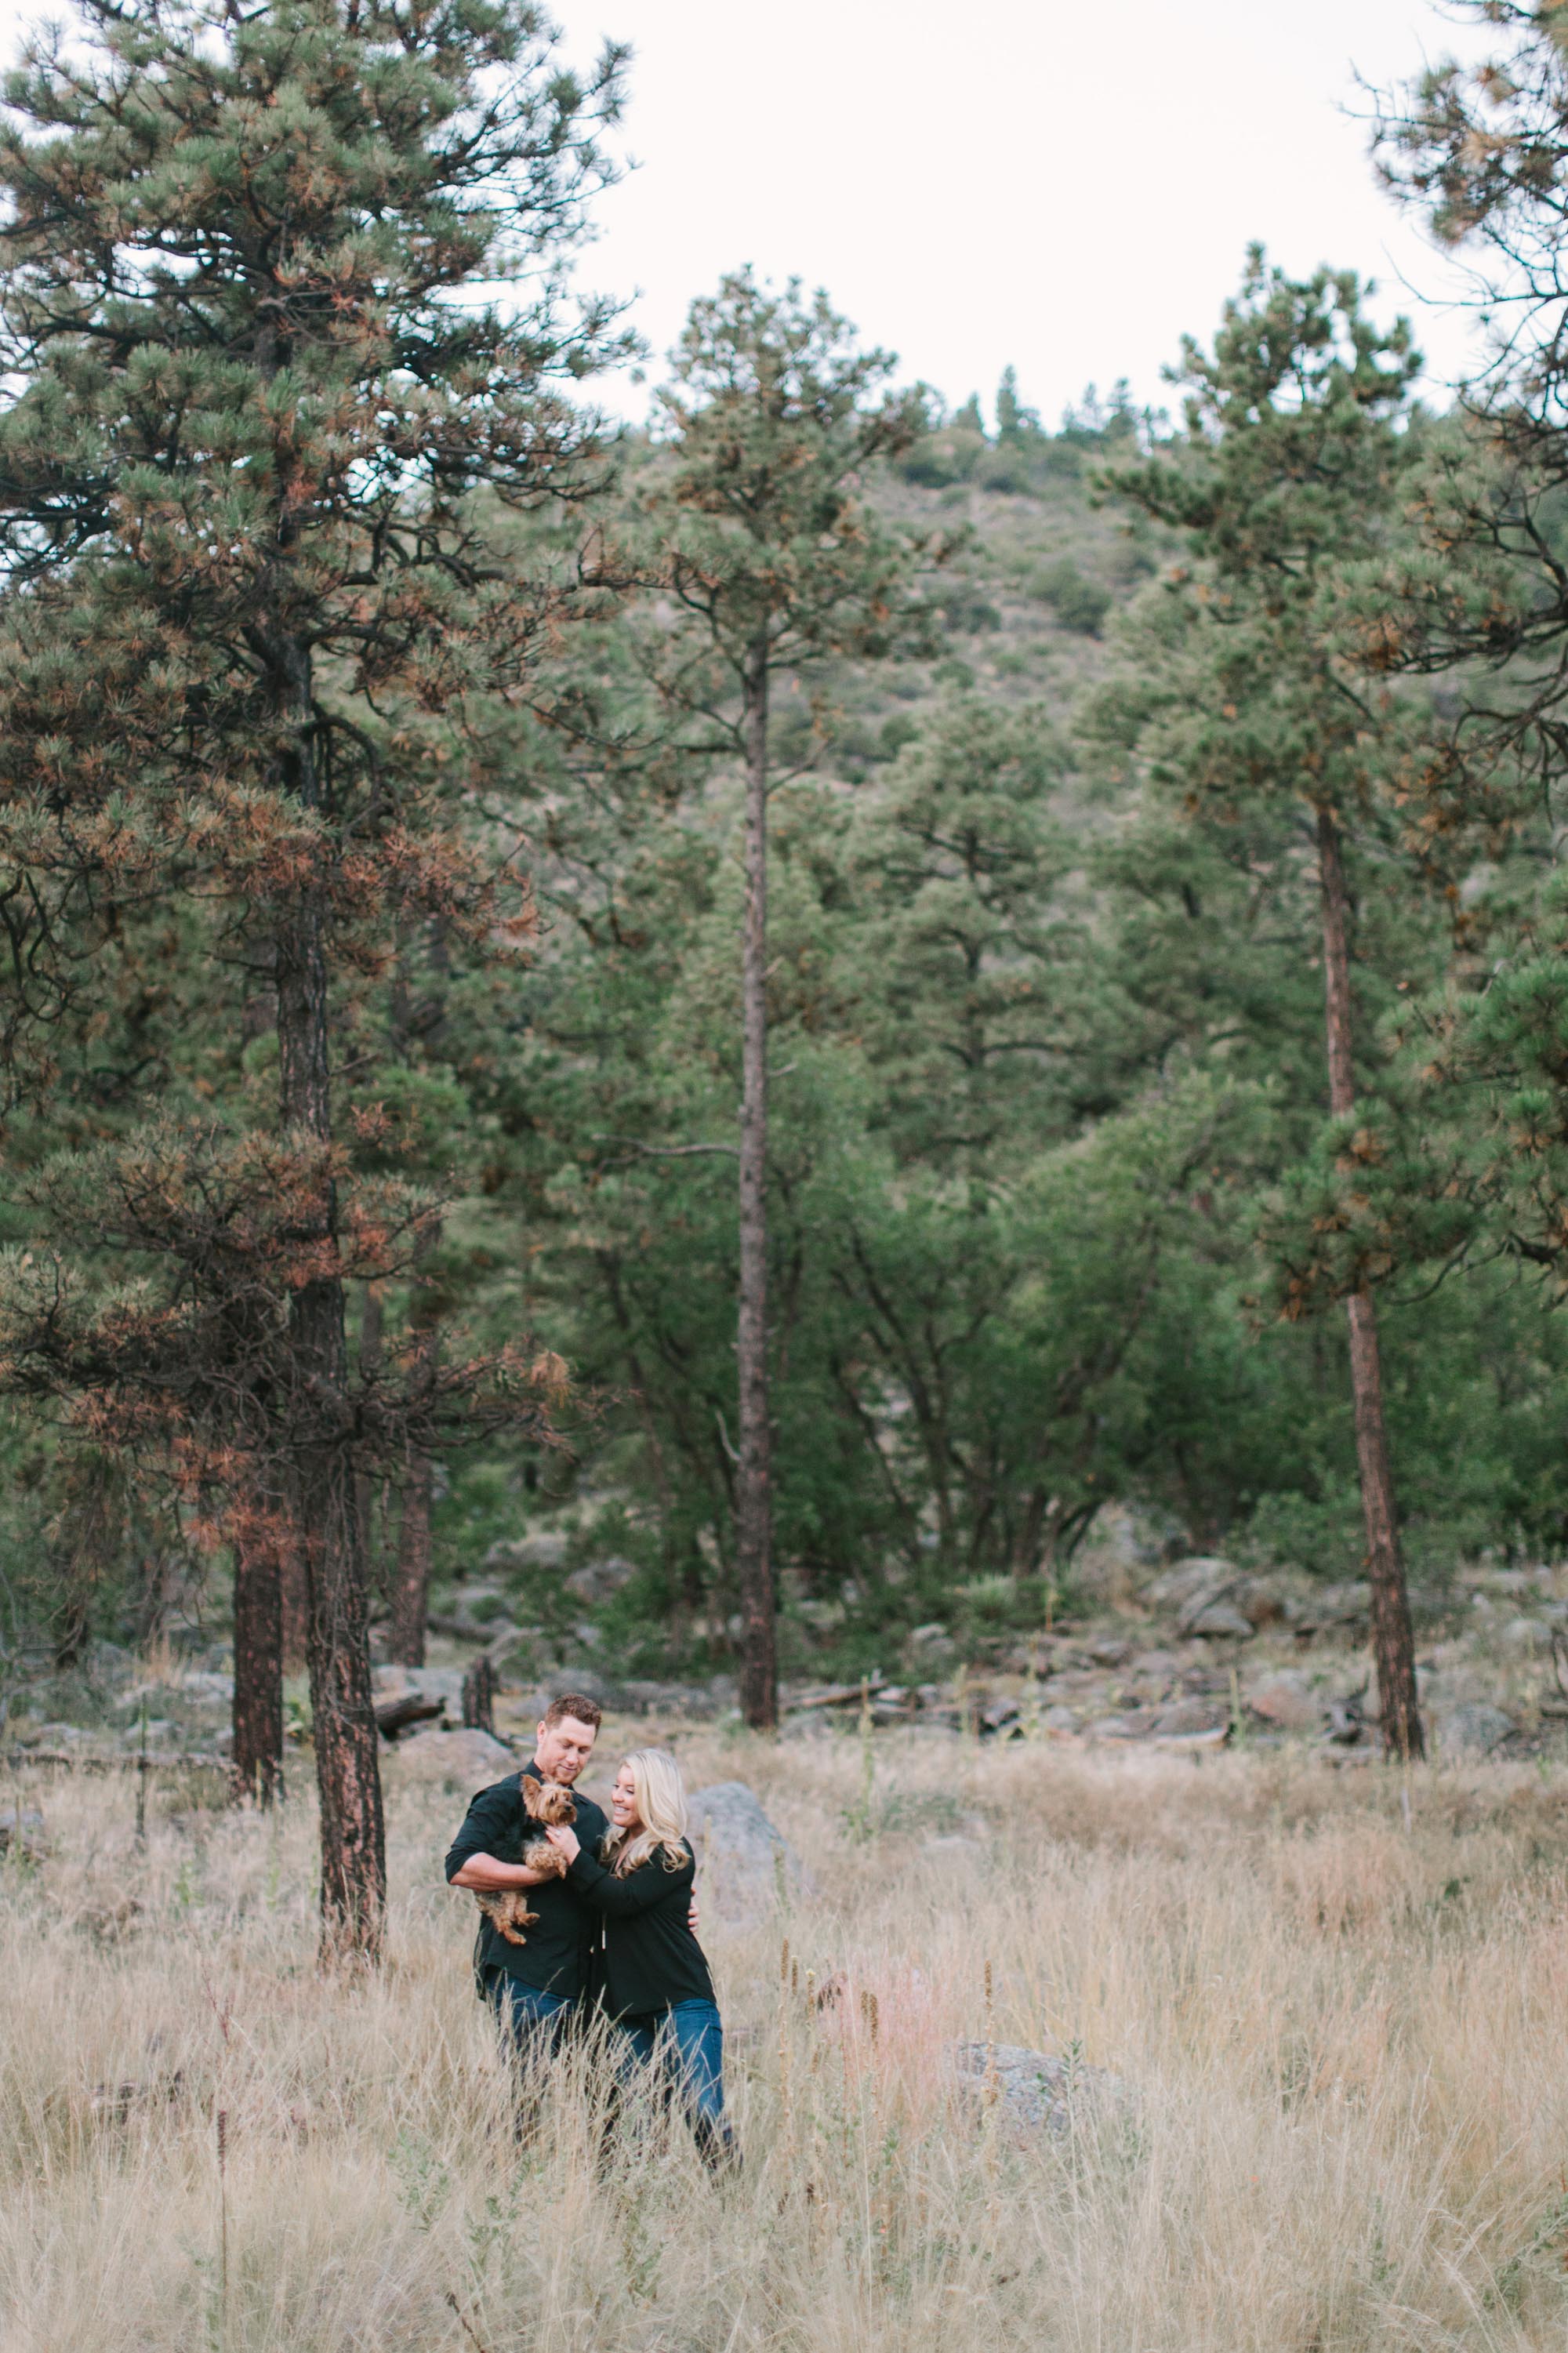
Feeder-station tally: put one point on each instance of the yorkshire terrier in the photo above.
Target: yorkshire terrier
(545, 1802)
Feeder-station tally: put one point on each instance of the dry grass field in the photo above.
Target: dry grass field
(1339, 1999)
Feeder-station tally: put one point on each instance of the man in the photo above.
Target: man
(536, 1988)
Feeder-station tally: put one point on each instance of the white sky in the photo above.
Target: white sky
(1064, 187)
(1061, 186)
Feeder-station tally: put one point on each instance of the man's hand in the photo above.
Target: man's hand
(570, 1845)
(692, 1917)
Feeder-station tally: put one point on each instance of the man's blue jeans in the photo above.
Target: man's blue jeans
(535, 2024)
(683, 2047)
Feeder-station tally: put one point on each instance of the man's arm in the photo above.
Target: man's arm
(491, 1822)
(486, 1877)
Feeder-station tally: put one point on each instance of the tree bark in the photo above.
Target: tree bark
(348, 1779)
(411, 1590)
(754, 1499)
(1392, 1637)
(371, 1322)
(256, 1764)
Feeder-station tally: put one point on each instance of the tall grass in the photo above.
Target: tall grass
(1347, 2122)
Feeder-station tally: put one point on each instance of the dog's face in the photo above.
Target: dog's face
(548, 1801)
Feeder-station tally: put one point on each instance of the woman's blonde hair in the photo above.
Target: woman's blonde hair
(660, 1796)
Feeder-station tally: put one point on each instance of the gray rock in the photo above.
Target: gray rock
(998, 1714)
(645, 1697)
(1527, 1638)
(1036, 2092)
(931, 1646)
(1262, 1602)
(584, 1683)
(1155, 1664)
(1285, 1700)
(1108, 1650)
(598, 1580)
(1185, 1579)
(1058, 1719)
(1189, 1715)
(1220, 1621)
(455, 1760)
(1473, 1731)
(546, 1549)
(205, 1685)
(21, 1830)
(429, 1683)
(1343, 1605)
(742, 1860)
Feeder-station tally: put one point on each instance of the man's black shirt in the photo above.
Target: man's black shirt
(557, 1957)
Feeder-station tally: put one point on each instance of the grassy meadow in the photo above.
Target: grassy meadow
(1337, 1999)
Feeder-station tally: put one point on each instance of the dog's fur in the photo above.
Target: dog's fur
(545, 1802)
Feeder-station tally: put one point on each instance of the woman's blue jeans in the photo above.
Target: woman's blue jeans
(683, 2048)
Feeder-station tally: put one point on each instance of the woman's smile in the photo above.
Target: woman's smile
(624, 1801)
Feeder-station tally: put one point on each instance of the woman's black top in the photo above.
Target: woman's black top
(651, 1958)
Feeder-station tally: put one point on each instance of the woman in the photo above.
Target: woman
(657, 1989)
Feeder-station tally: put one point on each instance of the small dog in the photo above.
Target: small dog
(545, 1802)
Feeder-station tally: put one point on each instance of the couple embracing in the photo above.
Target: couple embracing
(610, 1920)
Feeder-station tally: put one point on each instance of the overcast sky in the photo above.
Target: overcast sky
(1063, 187)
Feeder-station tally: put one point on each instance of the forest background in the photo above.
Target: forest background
(388, 753)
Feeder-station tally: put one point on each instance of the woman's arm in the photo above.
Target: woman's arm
(639, 1891)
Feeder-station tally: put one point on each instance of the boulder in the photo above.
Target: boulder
(1188, 1716)
(1284, 1700)
(598, 1580)
(1220, 1621)
(1185, 1580)
(584, 1683)
(22, 1831)
(643, 1696)
(1036, 2092)
(952, 1847)
(455, 1760)
(1473, 1731)
(546, 1549)
(745, 1863)
(930, 1647)
(1108, 1650)
(1346, 1606)
(1527, 1638)
(1263, 1603)
(429, 1683)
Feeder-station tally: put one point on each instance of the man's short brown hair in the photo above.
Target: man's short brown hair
(573, 1704)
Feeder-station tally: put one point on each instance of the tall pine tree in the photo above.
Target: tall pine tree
(773, 561)
(259, 385)
(1290, 475)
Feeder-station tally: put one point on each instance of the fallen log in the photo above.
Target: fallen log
(195, 1758)
(395, 1715)
(841, 1696)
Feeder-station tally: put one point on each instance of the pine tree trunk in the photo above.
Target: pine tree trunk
(348, 1779)
(371, 1322)
(753, 1501)
(410, 1588)
(1393, 1638)
(296, 1601)
(256, 1766)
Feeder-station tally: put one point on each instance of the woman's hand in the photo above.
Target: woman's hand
(566, 1839)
